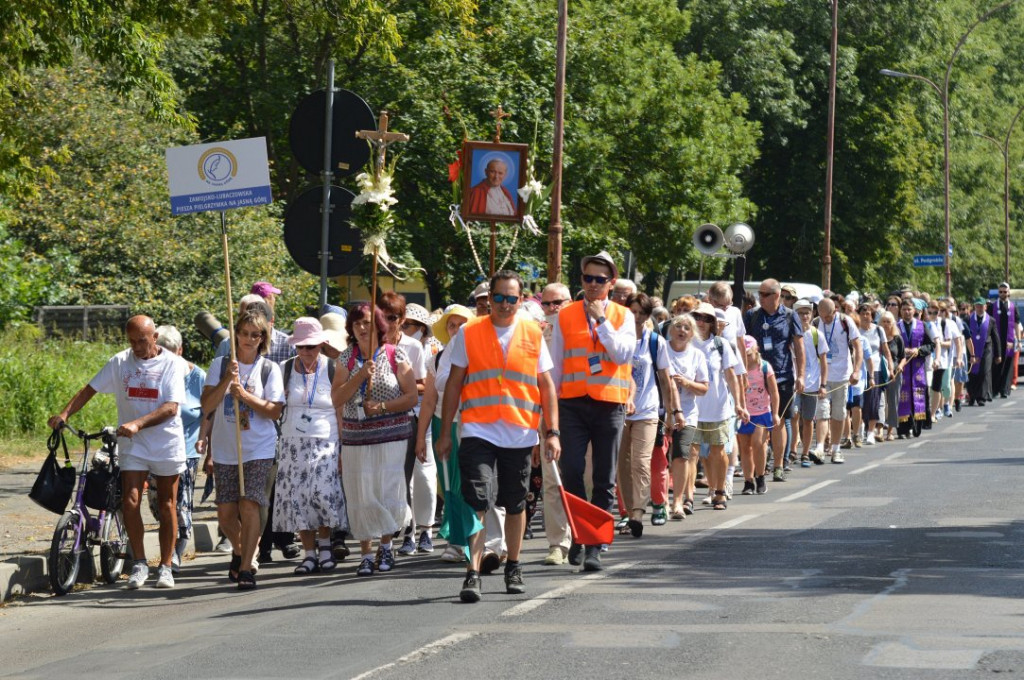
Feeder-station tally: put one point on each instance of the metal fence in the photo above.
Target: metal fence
(81, 321)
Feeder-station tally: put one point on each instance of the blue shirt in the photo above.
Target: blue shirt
(191, 413)
(782, 327)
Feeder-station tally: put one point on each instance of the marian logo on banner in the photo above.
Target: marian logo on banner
(218, 176)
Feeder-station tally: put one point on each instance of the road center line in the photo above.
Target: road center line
(806, 492)
(418, 654)
(916, 444)
(887, 459)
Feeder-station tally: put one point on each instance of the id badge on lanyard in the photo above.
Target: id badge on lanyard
(767, 336)
(594, 359)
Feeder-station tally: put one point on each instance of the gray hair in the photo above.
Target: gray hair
(169, 338)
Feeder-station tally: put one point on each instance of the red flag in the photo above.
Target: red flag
(590, 525)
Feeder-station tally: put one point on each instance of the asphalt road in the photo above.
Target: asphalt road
(904, 563)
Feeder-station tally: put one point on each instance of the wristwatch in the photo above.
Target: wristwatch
(600, 320)
(552, 433)
(679, 411)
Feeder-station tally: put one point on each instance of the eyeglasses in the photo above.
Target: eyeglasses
(892, 304)
(764, 294)
(787, 296)
(553, 303)
(258, 335)
(305, 347)
(392, 318)
(499, 298)
(600, 280)
(705, 318)
(411, 324)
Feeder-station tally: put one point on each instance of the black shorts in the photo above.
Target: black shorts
(937, 375)
(480, 461)
(682, 444)
(786, 401)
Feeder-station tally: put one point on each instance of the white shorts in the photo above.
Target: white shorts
(158, 468)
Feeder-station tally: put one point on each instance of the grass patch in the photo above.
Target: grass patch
(38, 376)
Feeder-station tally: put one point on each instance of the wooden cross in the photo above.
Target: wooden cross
(498, 114)
(381, 139)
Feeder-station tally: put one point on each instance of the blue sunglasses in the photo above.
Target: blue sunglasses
(499, 298)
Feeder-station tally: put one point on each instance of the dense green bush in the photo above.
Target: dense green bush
(39, 376)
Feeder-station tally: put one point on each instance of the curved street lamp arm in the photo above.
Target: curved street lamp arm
(912, 76)
(963, 39)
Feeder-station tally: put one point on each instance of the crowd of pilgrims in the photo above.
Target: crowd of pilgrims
(339, 418)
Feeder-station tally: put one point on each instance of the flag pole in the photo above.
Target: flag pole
(231, 341)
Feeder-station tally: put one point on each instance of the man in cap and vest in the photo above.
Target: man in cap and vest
(592, 346)
(501, 375)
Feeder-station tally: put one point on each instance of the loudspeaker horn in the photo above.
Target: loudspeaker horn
(708, 239)
(739, 238)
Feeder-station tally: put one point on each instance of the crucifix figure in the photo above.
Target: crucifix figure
(499, 114)
(381, 139)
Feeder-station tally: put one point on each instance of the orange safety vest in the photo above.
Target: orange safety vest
(579, 341)
(500, 388)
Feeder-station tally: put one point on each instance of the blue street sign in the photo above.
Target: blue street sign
(929, 260)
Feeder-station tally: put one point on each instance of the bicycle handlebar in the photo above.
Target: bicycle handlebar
(105, 434)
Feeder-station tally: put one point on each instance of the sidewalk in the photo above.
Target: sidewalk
(26, 530)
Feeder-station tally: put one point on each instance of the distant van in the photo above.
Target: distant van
(679, 288)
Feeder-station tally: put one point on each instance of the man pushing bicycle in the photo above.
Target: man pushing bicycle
(148, 383)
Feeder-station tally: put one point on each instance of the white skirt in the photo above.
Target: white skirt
(375, 489)
(309, 492)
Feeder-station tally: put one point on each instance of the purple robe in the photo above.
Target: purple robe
(1011, 324)
(915, 382)
(979, 336)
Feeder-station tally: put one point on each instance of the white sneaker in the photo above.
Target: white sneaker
(164, 577)
(838, 458)
(555, 555)
(870, 441)
(728, 488)
(453, 554)
(140, 572)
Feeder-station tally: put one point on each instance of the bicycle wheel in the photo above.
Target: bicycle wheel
(66, 553)
(113, 546)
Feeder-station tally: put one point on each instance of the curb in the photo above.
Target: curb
(28, 574)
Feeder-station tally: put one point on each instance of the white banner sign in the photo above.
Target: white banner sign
(218, 176)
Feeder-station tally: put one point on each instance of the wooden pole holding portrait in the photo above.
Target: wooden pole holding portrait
(234, 354)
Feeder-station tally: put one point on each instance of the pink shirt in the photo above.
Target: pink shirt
(759, 401)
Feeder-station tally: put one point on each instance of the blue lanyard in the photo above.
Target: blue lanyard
(359, 362)
(311, 394)
(591, 329)
(832, 330)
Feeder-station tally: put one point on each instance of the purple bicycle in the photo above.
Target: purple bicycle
(99, 488)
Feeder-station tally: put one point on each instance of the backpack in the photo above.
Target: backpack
(754, 320)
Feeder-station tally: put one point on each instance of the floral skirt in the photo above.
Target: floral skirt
(309, 493)
(375, 488)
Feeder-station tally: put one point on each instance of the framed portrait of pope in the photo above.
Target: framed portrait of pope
(491, 177)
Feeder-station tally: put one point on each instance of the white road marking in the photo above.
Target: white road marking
(806, 492)
(955, 425)
(561, 591)
(879, 463)
(693, 538)
(418, 654)
(916, 444)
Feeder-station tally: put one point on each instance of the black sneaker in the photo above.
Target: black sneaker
(760, 486)
(576, 554)
(514, 580)
(366, 566)
(592, 562)
(470, 592)
(385, 560)
(748, 488)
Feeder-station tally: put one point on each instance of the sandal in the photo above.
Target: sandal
(309, 565)
(624, 530)
(678, 514)
(718, 503)
(688, 506)
(328, 565)
(234, 567)
(246, 580)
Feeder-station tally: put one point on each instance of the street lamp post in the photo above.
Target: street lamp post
(1004, 151)
(944, 96)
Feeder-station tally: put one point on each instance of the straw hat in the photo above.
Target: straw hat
(440, 326)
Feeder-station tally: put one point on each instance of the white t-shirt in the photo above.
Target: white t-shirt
(733, 331)
(715, 405)
(499, 433)
(309, 412)
(812, 367)
(838, 335)
(954, 332)
(645, 400)
(874, 340)
(140, 386)
(259, 440)
(941, 355)
(693, 365)
(417, 361)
